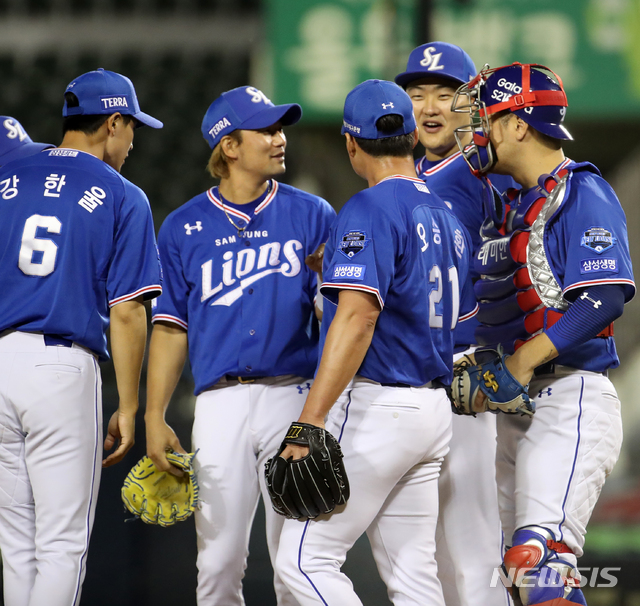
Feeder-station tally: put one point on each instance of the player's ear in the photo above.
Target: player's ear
(521, 128)
(351, 145)
(416, 137)
(229, 146)
(112, 123)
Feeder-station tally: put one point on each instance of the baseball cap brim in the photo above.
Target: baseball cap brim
(406, 78)
(551, 129)
(286, 114)
(147, 120)
(24, 150)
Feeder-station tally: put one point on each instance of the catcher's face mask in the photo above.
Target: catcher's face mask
(532, 92)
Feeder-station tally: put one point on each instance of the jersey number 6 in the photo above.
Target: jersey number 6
(31, 244)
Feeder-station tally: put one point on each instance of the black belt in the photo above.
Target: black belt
(53, 340)
(395, 385)
(243, 380)
(550, 369)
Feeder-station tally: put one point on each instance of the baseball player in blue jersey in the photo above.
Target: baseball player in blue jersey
(394, 264)
(240, 299)
(78, 253)
(468, 547)
(556, 272)
(15, 143)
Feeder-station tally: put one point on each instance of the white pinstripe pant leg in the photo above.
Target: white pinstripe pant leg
(50, 464)
(393, 440)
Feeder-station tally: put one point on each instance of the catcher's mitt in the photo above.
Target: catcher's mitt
(315, 484)
(491, 377)
(159, 497)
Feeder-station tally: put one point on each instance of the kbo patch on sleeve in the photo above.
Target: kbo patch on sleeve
(352, 243)
(598, 239)
(350, 272)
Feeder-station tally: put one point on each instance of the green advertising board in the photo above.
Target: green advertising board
(320, 49)
(593, 45)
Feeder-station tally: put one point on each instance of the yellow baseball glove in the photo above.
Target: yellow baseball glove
(158, 497)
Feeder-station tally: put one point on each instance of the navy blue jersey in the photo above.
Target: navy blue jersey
(75, 239)
(400, 243)
(454, 182)
(247, 302)
(586, 244)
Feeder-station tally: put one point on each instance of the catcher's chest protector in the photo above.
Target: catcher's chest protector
(518, 293)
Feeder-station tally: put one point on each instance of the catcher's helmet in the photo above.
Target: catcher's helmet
(532, 92)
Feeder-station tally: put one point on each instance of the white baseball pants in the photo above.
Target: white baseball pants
(237, 427)
(50, 464)
(393, 440)
(551, 468)
(469, 534)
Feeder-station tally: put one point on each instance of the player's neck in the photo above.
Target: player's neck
(91, 144)
(528, 169)
(377, 169)
(241, 188)
(441, 153)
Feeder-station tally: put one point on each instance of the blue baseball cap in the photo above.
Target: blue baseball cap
(104, 92)
(371, 100)
(437, 59)
(245, 108)
(15, 143)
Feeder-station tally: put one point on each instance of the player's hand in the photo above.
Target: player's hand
(120, 431)
(522, 372)
(294, 452)
(160, 440)
(314, 260)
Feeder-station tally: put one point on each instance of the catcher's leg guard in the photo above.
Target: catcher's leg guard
(538, 572)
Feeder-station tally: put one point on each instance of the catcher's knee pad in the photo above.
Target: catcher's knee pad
(537, 571)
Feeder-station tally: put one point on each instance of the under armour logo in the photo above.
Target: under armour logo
(189, 228)
(301, 388)
(387, 105)
(585, 295)
(257, 96)
(546, 392)
(431, 62)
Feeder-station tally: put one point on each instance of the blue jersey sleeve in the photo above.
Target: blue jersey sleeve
(172, 305)
(361, 252)
(594, 228)
(321, 222)
(135, 267)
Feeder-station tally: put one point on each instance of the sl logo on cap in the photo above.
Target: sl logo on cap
(257, 96)
(431, 62)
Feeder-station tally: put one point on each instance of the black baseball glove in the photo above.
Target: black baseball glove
(313, 485)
